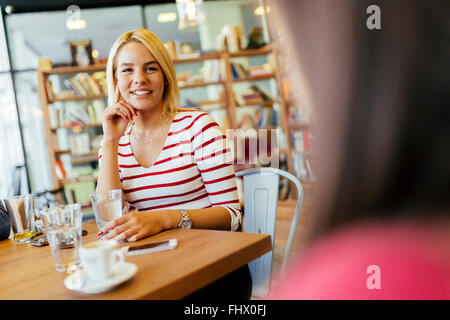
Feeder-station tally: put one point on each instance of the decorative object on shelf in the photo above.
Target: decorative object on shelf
(230, 38)
(81, 53)
(254, 38)
(44, 63)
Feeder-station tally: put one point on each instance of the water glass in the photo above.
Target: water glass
(63, 228)
(107, 206)
(21, 216)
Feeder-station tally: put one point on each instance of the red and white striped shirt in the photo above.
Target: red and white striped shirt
(194, 169)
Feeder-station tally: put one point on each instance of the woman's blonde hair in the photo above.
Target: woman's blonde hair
(171, 94)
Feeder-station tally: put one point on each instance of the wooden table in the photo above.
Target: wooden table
(202, 256)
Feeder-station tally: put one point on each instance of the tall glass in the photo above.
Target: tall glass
(107, 206)
(21, 216)
(63, 228)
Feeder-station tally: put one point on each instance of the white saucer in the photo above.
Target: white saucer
(78, 281)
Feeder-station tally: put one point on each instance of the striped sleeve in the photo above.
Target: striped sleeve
(214, 160)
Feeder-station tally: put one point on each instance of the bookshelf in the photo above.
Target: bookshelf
(54, 89)
(226, 77)
(298, 125)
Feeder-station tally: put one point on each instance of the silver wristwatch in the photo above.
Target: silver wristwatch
(185, 222)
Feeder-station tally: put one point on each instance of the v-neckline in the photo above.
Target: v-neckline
(160, 151)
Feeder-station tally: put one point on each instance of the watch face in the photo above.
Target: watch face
(186, 224)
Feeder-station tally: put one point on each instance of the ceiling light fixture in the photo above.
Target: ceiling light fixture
(76, 24)
(167, 17)
(74, 21)
(259, 11)
(190, 13)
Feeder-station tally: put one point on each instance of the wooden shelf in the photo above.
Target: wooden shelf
(208, 56)
(86, 158)
(93, 125)
(299, 125)
(201, 84)
(75, 69)
(77, 98)
(86, 178)
(79, 158)
(252, 52)
(265, 105)
(256, 78)
(302, 153)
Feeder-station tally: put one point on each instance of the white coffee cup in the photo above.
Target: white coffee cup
(99, 257)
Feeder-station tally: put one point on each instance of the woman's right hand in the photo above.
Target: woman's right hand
(116, 118)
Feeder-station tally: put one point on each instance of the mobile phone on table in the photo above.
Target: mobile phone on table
(150, 247)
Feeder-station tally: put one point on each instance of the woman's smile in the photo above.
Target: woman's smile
(141, 93)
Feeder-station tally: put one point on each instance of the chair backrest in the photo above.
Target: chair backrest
(260, 215)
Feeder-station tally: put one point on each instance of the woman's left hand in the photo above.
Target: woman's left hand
(134, 226)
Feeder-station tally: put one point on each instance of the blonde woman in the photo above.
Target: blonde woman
(173, 165)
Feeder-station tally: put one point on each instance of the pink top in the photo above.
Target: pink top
(374, 261)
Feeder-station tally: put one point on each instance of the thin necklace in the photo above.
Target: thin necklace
(157, 134)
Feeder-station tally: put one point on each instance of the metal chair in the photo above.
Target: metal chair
(260, 214)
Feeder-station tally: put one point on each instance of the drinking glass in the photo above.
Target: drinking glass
(107, 206)
(21, 216)
(63, 228)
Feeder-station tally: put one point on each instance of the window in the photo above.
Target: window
(33, 130)
(30, 39)
(10, 146)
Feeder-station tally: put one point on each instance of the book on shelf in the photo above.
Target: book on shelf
(299, 165)
(234, 72)
(263, 117)
(76, 87)
(297, 115)
(266, 96)
(100, 78)
(83, 84)
(301, 140)
(201, 105)
(266, 118)
(211, 71)
(55, 116)
(79, 144)
(263, 70)
(99, 108)
(254, 96)
(50, 89)
(76, 113)
(60, 171)
(230, 38)
(246, 122)
(88, 82)
(91, 112)
(240, 72)
(79, 192)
